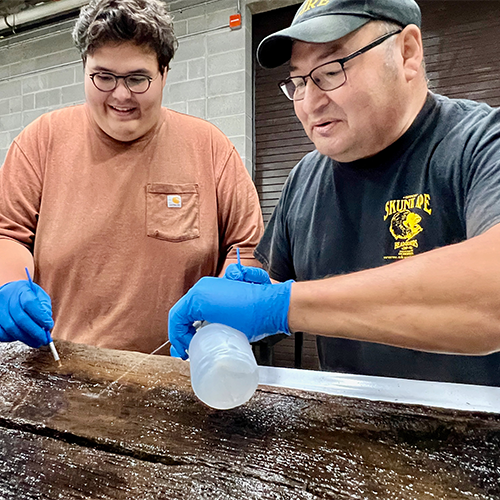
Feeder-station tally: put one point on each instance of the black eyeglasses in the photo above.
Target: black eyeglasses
(327, 76)
(107, 82)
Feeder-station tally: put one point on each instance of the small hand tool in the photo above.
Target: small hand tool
(51, 343)
(239, 260)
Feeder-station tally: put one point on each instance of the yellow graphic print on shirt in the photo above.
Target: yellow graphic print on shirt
(406, 223)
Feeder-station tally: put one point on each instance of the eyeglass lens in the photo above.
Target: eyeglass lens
(106, 82)
(327, 77)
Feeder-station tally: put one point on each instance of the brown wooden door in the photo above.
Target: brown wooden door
(280, 139)
(280, 142)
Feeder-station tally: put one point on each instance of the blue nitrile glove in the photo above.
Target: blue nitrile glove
(254, 309)
(25, 314)
(237, 272)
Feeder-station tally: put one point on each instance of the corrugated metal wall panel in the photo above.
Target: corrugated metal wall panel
(461, 48)
(461, 53)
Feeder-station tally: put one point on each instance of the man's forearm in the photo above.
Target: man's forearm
(446, 300)
(14, 257)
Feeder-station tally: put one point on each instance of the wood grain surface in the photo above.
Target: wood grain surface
(148, 436)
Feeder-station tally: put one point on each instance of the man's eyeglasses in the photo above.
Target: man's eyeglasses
(327, 76)
(107, 82)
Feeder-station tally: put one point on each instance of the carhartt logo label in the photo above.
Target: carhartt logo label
(405, 222)
(174, 201)
(312, 4)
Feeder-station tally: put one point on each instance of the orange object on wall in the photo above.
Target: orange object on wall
(235, 21)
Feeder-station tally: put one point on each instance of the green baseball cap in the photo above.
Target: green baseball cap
(321, 21)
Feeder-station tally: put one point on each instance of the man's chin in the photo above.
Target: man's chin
(333, 153)
(124, 135)
(338, 152)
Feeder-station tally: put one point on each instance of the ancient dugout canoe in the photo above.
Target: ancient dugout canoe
(148, 437)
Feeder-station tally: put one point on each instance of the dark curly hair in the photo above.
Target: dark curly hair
(143, 22)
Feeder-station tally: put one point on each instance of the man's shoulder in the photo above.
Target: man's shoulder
(465, 111)
(63, 120)
(306, 178)
(465, 126)
(63, 114)
(462, 103)
(184, 124)
(312, 165)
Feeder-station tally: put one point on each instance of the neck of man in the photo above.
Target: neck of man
(415, 101)
(410, 104)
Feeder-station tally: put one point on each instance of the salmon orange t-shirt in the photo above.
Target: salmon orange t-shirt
(120, 231)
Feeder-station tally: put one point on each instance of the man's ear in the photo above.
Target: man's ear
(164, 77)
(412, 51)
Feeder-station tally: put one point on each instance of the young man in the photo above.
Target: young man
(400, 176)
(118, 206)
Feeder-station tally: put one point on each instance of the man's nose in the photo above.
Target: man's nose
(314, 97)
(121, 91)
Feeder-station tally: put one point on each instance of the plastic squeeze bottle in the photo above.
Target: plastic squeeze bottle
(224, 373)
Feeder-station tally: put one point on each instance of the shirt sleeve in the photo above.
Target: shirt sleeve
(20, 195)
(482, 207)
(274, 250)
(239, 214)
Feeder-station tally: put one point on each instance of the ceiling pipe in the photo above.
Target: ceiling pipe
(45, 11)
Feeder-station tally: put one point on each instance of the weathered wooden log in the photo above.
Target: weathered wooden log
(64, 435)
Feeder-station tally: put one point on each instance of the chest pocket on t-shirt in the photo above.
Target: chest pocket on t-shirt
(172, 211)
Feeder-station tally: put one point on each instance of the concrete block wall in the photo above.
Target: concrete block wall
(210, 75)
(39, 71)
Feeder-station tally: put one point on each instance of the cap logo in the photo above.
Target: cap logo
(312, 4)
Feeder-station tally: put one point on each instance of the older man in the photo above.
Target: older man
(119, 205)
(400, 176)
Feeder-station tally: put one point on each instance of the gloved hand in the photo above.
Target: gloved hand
(237, 272)
(25, 314)
(258, 310)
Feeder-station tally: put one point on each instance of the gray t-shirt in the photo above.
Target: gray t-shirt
(437, 185)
